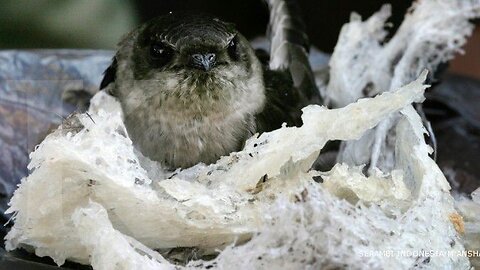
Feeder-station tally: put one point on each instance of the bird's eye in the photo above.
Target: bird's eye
(161, 52)
(232, 48)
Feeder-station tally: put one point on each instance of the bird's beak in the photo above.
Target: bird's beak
(204, 61)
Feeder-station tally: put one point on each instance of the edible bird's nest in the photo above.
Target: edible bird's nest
(93, 199)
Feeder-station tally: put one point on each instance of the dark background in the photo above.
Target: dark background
(26, 24)
(323, 18)
(100, 24)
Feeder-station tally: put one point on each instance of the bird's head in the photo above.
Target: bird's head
(190, 57)
(188, 41)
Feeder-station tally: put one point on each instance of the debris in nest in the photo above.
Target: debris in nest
(72, 124)
(457, 221)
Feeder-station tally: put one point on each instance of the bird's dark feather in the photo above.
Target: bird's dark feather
(281, 104)
(289, 48)
(109, 76)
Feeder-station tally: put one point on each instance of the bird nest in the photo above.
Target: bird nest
(91, 198)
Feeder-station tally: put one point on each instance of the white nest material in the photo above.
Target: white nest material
(88, 197)
(364, 64)
(92, 199)
(469, 209)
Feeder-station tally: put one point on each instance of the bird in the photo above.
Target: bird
(192, 88)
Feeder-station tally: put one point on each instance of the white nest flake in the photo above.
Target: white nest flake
(364, 64)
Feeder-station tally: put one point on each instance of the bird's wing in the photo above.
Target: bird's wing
(109, 77)
(289, 47)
